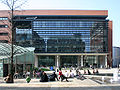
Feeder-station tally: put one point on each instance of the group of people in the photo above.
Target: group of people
(53, 77)
(44, 77)
(60, 77)
(23, 75)
(69, 74)
(89, 73)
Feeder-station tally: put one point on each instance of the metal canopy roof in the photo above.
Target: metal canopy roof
(5, 50)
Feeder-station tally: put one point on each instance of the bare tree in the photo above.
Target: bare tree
(12, 5)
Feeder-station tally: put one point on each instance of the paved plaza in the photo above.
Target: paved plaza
(87, 84)
(73, 83)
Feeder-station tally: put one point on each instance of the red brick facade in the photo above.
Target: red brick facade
(110, 42)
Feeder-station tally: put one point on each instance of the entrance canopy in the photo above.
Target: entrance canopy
(5, 50)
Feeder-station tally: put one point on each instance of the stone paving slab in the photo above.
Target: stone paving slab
(36, 83)
(72, 83)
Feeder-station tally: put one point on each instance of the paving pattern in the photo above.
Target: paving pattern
(73, 82)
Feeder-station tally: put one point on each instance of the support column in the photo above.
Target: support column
(96, 60)
(36, 61)
(57, 62)
(81, 60)
(105, 61)
(78, 62)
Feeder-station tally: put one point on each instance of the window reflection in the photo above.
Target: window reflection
(65, 35)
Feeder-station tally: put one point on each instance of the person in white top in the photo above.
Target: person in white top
(66, 74)
(71, 74)
(28, 73)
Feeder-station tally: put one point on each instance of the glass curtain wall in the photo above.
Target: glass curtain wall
(70, 36)
(62, 34)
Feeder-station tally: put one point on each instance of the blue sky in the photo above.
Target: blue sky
(113, 7)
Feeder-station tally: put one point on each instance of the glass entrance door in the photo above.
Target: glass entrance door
(68, 61)
(46, 61)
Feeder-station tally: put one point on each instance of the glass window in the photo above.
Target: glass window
(3, 18)
(3, 34)
(3, 26)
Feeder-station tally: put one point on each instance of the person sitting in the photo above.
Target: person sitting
(66, 74)
(84, 71)
(71, 74)
(38, 74)
(80, 76)
(97, 72)
(8, 79)
(60, 74)
(34, 74)
(77, 72)
(16, 75)
(28, 79)
(62, 77)
(94, 71)
(44, 77)
(24, 74)
(53, 77)
(89, 73)
(41, 73)
(28, 73)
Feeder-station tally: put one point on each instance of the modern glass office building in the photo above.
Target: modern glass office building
(66, 37)
(116, 57)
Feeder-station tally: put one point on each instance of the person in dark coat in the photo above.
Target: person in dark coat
(53, 77)
(89, 73)
(44, 77)
(41, 73)
(97, 72)
(63, 77)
